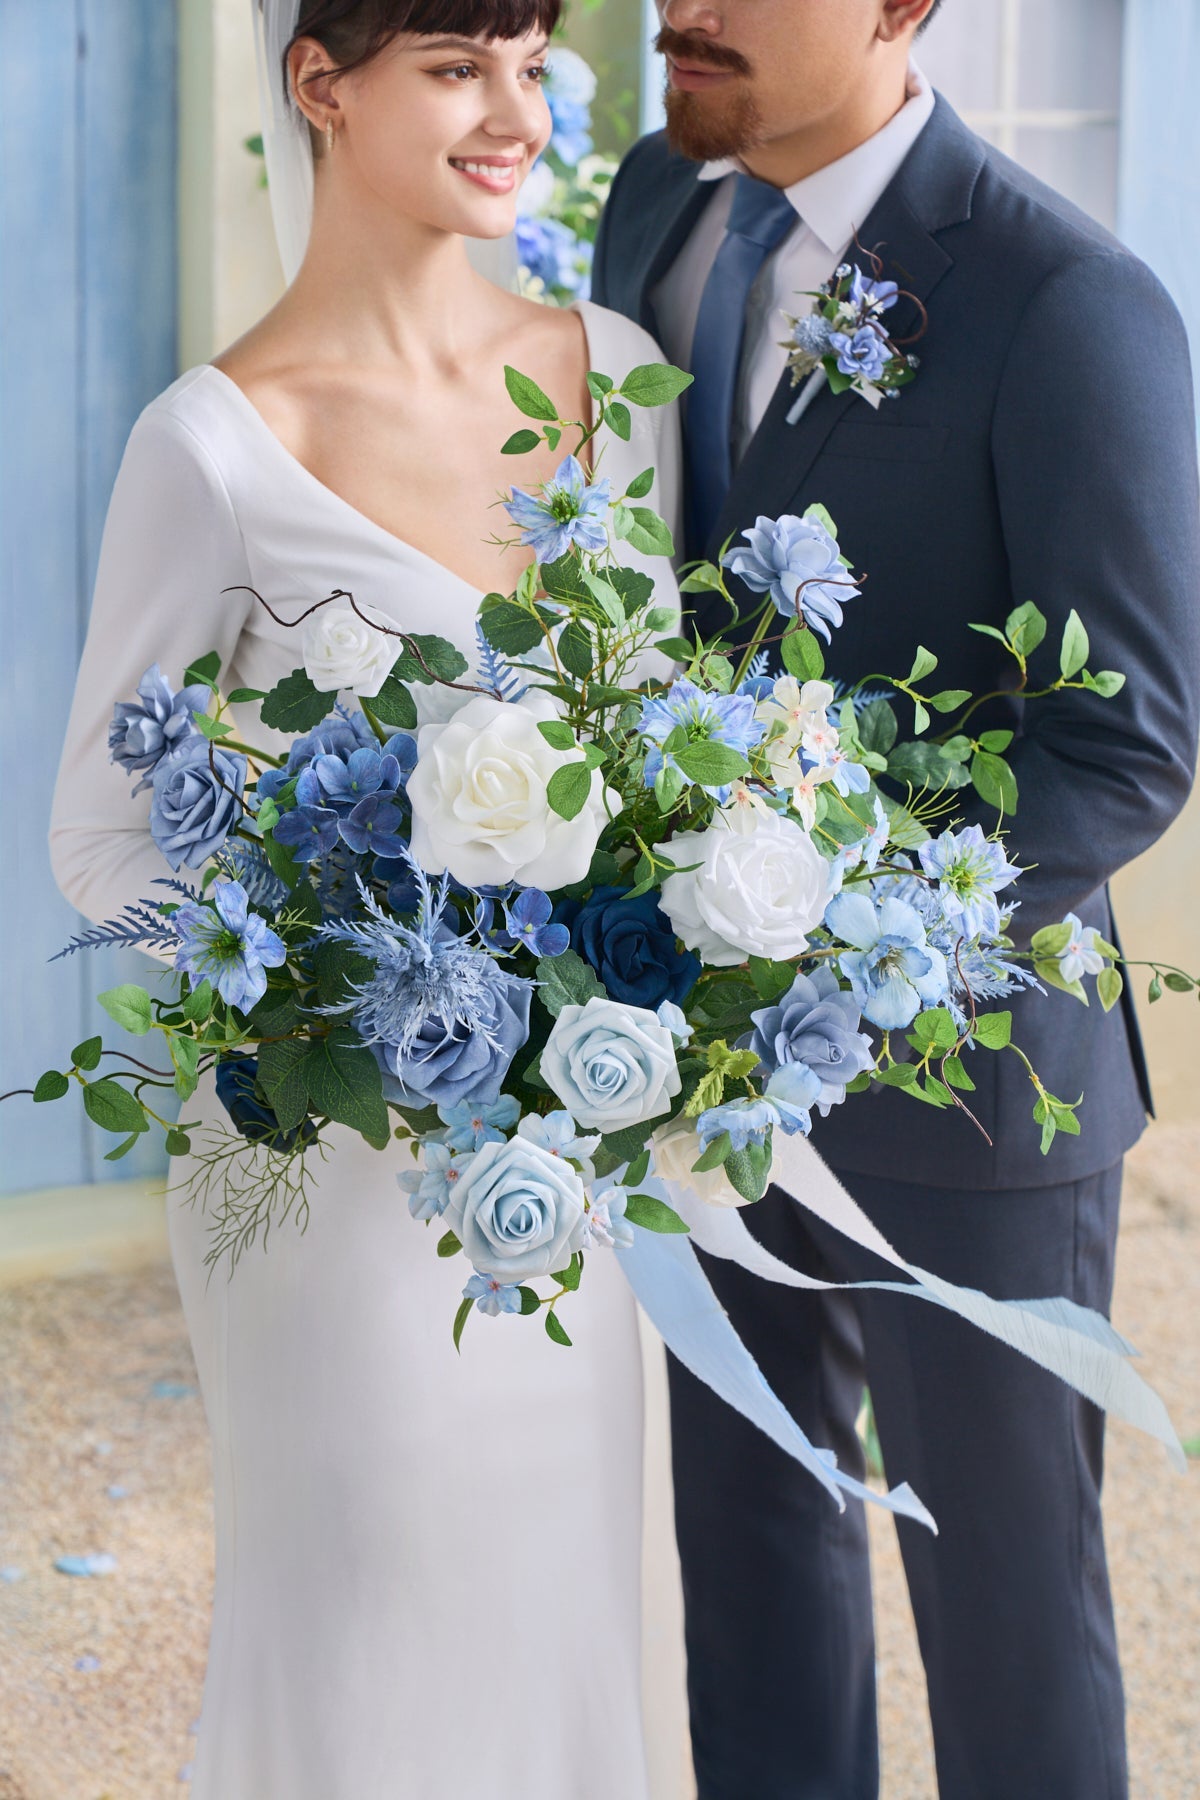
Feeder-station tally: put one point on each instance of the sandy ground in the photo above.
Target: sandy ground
(103, 1450)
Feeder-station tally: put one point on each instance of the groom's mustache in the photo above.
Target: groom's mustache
(699, 52)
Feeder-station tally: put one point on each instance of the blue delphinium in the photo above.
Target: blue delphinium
(893, 969)
(970, 869)
(493, 1296)
(145, 731)
(197, 802)
(567, 511)
(228, 945)
(707, 718)
(862, 352)
(631, 945)
(782, 555)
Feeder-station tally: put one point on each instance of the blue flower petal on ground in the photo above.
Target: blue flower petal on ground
(797, 562)
(567, 511)
(228, 945)
(96, 1563)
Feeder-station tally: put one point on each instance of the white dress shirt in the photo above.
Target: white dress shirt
(830, 205)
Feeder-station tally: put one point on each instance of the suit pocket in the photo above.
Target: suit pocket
(871, 438)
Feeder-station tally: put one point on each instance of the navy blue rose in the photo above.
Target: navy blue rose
(460, 1061)
(238, 1093)
(631, 945)
(196, 804)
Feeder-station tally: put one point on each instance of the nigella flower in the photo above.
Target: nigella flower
(228, 945)
(863, 352)
(493, 1296)
(528, 921)
(567, 511)
(797, 562)
(471, 1124)
(142, 733)
(705, 716)
(893, 969)
(970, 869)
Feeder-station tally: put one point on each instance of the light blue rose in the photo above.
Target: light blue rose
(196, 803)
(518, 1211)
(611, 1065)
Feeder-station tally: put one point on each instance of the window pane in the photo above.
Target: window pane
(961, 53)
(1082, 164)
(1070, 54)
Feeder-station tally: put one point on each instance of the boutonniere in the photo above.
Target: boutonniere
(845, 335)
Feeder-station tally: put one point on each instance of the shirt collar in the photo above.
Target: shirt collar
(835, 200)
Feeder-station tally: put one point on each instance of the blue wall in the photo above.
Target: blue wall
(87, 337)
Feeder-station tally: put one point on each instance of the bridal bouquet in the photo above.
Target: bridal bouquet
(608, 916)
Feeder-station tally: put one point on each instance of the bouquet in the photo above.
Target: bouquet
(634, 909)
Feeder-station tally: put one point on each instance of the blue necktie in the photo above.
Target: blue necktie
(758, 221)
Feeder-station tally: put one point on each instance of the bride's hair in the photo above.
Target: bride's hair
(355, 31)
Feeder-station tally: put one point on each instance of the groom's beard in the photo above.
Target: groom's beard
(708, 127)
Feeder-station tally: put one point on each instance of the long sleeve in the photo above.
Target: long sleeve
(171, 544)
(1094, 450)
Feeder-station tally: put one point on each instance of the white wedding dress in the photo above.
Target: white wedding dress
(427, 1571)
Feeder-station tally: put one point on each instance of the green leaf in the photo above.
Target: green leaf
(606, 598)
(1026, 627)
(677, 648)
(714, 1155)
(569, 1277)
(640, 486)
(920, 718)
(924, 663)
(838, 383)
(86, 1056)
(711, 764)
(934, 1090)
(211, 728)
(113, 1107)
(567, 980)
(624, 1145)
(648, 533)
(935, 1029)
(704, 579)
(635, 588)
(520, 442)
(122, 1149)
(394, 705)
(949, 700)
(282, 861)
(749, 1170)
(281, 1076)
(989, 631)
(51, 1086)
(448, 1244)
(198, 1004)
(528, 397)
(344, 1081)
(558, 734)
(575, 649)
(336, 966)
(295, 705)
(668, 786)
(638, 1168)
(771, 979)
(1178, 984)
(821, 515)
(1106, 683)
(555, 1330)
(654, 1215)
(530, 1302)
(618, 417)
(877, 729)
(205, 668)
(1048, 970)
(460, 1319)
(1051, 940)
(443, 661)
(598, 385)
(243, 696)
(510, 628)
(1109, 986)
(185, 1054)
(129, 1007)
(1155, 990)
(661, 618)
(802, 654)
(568, 788)
(993, 1030)
(994, 781)
(654, 384)
(954, 1071)
(1075, 646)
(995, 742)
(178, 1143)
(899, 1075)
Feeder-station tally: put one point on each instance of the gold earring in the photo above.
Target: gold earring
(329, 137)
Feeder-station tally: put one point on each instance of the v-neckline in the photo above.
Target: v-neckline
(364, 520)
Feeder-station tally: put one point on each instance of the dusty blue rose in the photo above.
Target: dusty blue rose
(815, 1025)
(460, 1062)
(142, 733)
(196, 806)
(518, 1211)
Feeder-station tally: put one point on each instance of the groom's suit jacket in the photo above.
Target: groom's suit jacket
(1046, 451)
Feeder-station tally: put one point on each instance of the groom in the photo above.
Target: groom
(1045, 452)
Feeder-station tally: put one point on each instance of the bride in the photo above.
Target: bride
(427, 1575)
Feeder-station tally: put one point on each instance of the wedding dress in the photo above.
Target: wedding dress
(427, 1564)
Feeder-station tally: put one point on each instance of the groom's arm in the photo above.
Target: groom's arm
(1094, 450)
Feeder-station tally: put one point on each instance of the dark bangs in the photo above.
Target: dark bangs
(355, 31)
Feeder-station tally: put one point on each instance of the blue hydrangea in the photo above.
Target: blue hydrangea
(797, 562)
(529, 922)
(228, 945)
(551, 253)
(707, 717)
(567, 511)
(570, 89)
(145, 731)
(970, 869)
(893, 970)
(341, 734)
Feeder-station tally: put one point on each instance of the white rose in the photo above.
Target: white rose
(611, 1065)
(345, 654)
(754, 893)
(675, 1148)
(479, 802)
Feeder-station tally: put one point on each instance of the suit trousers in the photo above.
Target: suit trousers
(1011, 1599)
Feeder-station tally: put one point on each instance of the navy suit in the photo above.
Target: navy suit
(1045, 452)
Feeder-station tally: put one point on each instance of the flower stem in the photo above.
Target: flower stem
(755, 644)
